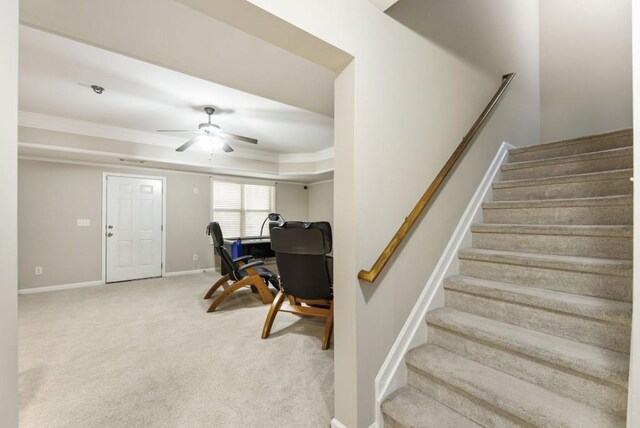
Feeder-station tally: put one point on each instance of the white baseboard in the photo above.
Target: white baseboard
(392, 374)
(337, 424)
(59, 287)
(94, 283)
(189, 272)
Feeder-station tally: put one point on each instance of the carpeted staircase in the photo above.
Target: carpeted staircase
(535, 330)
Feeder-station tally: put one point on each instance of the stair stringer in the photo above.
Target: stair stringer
(393, 372)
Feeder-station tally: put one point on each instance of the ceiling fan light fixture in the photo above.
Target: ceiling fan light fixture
(217, 144)
(210, 128)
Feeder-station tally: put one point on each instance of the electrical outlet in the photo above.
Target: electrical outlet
(38, 270)
(195, 257)
(195, 191)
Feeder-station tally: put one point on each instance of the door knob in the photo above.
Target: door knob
(109, 235)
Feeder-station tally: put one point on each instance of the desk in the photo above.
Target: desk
(256, 246)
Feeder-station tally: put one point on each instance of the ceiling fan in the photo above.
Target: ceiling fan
(210, 133)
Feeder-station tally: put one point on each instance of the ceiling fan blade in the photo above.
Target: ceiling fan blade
(227, 148)
(176, 130)
(238, 137)
(188, 144)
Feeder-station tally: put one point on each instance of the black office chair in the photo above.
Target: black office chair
(241, 271)
(306, 273)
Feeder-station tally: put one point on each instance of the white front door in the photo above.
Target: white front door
(133, 228)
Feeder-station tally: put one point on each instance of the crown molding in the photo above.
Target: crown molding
(75, 150)
(73, 126)
(212, 169)
(320, 156)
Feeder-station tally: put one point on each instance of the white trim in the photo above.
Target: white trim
(189, 272)
(318, 172)
(320, 182)
(392, 374)
(337, 424)
(633, 400)
(319, 156)
(59, 287)
(128, 156)
(73, 126)
(105, 174)
(171, 161)
(160, 170)
(244, 180)
(383, 5)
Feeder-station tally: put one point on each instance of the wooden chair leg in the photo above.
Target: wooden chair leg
(242, 283)
(262, 288)
(215, 286)
(273, 310)
(328, 330)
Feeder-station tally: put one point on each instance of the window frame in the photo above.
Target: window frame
(243, 211)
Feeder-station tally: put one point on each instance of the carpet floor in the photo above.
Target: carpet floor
(146, 354)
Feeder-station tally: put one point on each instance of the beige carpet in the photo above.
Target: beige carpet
(146, 354)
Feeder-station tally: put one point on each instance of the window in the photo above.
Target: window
(241, 208)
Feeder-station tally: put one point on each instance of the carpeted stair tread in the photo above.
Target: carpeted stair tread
(549, 261)
(558, 203)
(622, 138)
(625, 174)
(530, 403)
(582, 157)
(408, 407)
(584, 306)
(618, 231)
(600, 363)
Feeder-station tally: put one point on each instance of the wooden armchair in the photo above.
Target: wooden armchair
(242, 271)
(306, 274)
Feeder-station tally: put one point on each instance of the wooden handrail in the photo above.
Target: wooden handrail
(385, 256)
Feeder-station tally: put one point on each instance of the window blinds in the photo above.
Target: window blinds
(257, 205)
(241, 208)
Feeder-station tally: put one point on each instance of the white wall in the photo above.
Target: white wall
(633, 411)
(401, 108)
(54, 195)
(8, 213)
(585, 67)
(292, 201)
(321, 202)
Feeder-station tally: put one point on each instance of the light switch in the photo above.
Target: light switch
(84, 222)
(195, 190)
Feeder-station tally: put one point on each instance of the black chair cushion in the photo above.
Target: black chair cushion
(301, 254)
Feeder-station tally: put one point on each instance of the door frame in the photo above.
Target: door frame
(103, 227)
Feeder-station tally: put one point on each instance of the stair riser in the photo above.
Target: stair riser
(574, 149)
(586, 284)
(604, 334)
(585, 215)
(583, 246)
(569, 168)
(584, 189)
(602, 395)
(467, 405)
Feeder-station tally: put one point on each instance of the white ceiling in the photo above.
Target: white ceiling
(56, 72)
